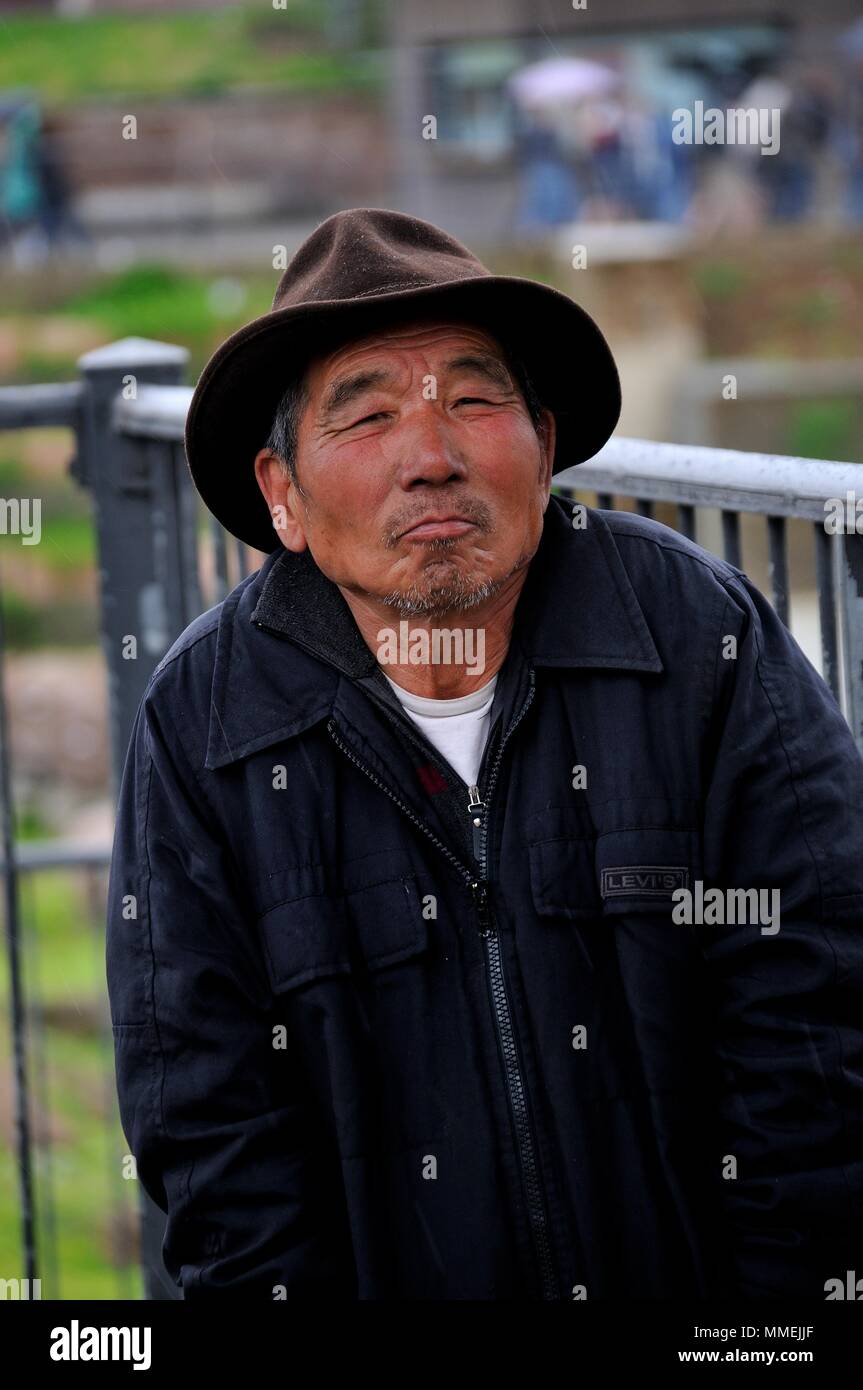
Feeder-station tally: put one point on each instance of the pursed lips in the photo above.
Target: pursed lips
(434, 527)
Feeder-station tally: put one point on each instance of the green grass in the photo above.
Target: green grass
(13, 476)
(720, 279)
(190, 53)
(30, 824)
(66, 542)
(66, 963)
(193, 310)
(66, 548)
(30, 626)
(816, 307)
(33, 366)
(78, 1176)
(154, 301)
(825, 430)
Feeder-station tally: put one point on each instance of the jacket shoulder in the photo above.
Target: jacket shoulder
(640, 535)
(178, 692)
(192, 643)
(198, 629)
(684, 589)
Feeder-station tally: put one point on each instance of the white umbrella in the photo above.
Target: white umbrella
(560, 80)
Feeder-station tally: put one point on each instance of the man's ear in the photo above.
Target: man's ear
(282, 500)
(547, 438)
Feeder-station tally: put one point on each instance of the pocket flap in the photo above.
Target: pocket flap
(562, 878)
(640, 868)
(304, 939)
(326, 934)
(388, 920)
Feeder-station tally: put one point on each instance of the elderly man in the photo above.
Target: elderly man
(486, 910)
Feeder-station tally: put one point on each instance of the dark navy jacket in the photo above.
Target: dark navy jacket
(367, 1049)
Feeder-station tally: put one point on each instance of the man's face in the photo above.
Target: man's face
(408, 423)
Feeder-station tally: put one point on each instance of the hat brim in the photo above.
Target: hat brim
(232, 406)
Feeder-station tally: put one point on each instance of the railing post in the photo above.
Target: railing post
(849, 581)
(143, 518)
(122, 479)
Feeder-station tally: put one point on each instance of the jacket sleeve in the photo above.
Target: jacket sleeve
(784, 812)
(217, 1117)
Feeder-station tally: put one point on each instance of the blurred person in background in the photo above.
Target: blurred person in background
(20, 188)
(849, 140)
(35, 190)
(548, 192)
(56, 212)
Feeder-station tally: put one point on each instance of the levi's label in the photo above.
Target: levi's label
(643, 880)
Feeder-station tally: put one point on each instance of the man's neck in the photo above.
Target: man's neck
(445, 656)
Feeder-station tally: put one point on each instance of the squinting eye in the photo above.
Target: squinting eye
(366, 418)
(472, 400)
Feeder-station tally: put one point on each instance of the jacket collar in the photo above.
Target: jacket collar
(577, 609)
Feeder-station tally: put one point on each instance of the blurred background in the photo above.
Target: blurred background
(156, 162)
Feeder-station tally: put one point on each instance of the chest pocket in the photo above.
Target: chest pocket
(583, 876)
(332, 932)
(639, 869)
(643, 999)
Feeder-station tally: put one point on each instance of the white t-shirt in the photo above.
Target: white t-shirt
(458, 728)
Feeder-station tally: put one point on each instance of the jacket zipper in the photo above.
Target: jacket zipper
(516, 1089)
(478, 812)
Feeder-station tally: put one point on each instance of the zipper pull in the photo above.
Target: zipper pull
(484, 923)
(475, 807)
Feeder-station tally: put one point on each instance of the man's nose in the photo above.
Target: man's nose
(430, 454)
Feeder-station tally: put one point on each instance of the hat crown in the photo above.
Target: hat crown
(361, 252)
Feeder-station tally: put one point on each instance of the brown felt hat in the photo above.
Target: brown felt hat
(360, 269)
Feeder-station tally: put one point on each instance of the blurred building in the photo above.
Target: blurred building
(454, 61)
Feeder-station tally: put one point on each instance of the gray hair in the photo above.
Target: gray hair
(282, 439)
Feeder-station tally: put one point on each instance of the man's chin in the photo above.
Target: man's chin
(442, 599)
(444, 590)
(445, 596)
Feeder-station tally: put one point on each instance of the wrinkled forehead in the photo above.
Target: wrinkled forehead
(427, 334)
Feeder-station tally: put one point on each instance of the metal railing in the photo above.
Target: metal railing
(772, 486)
(127, 414)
